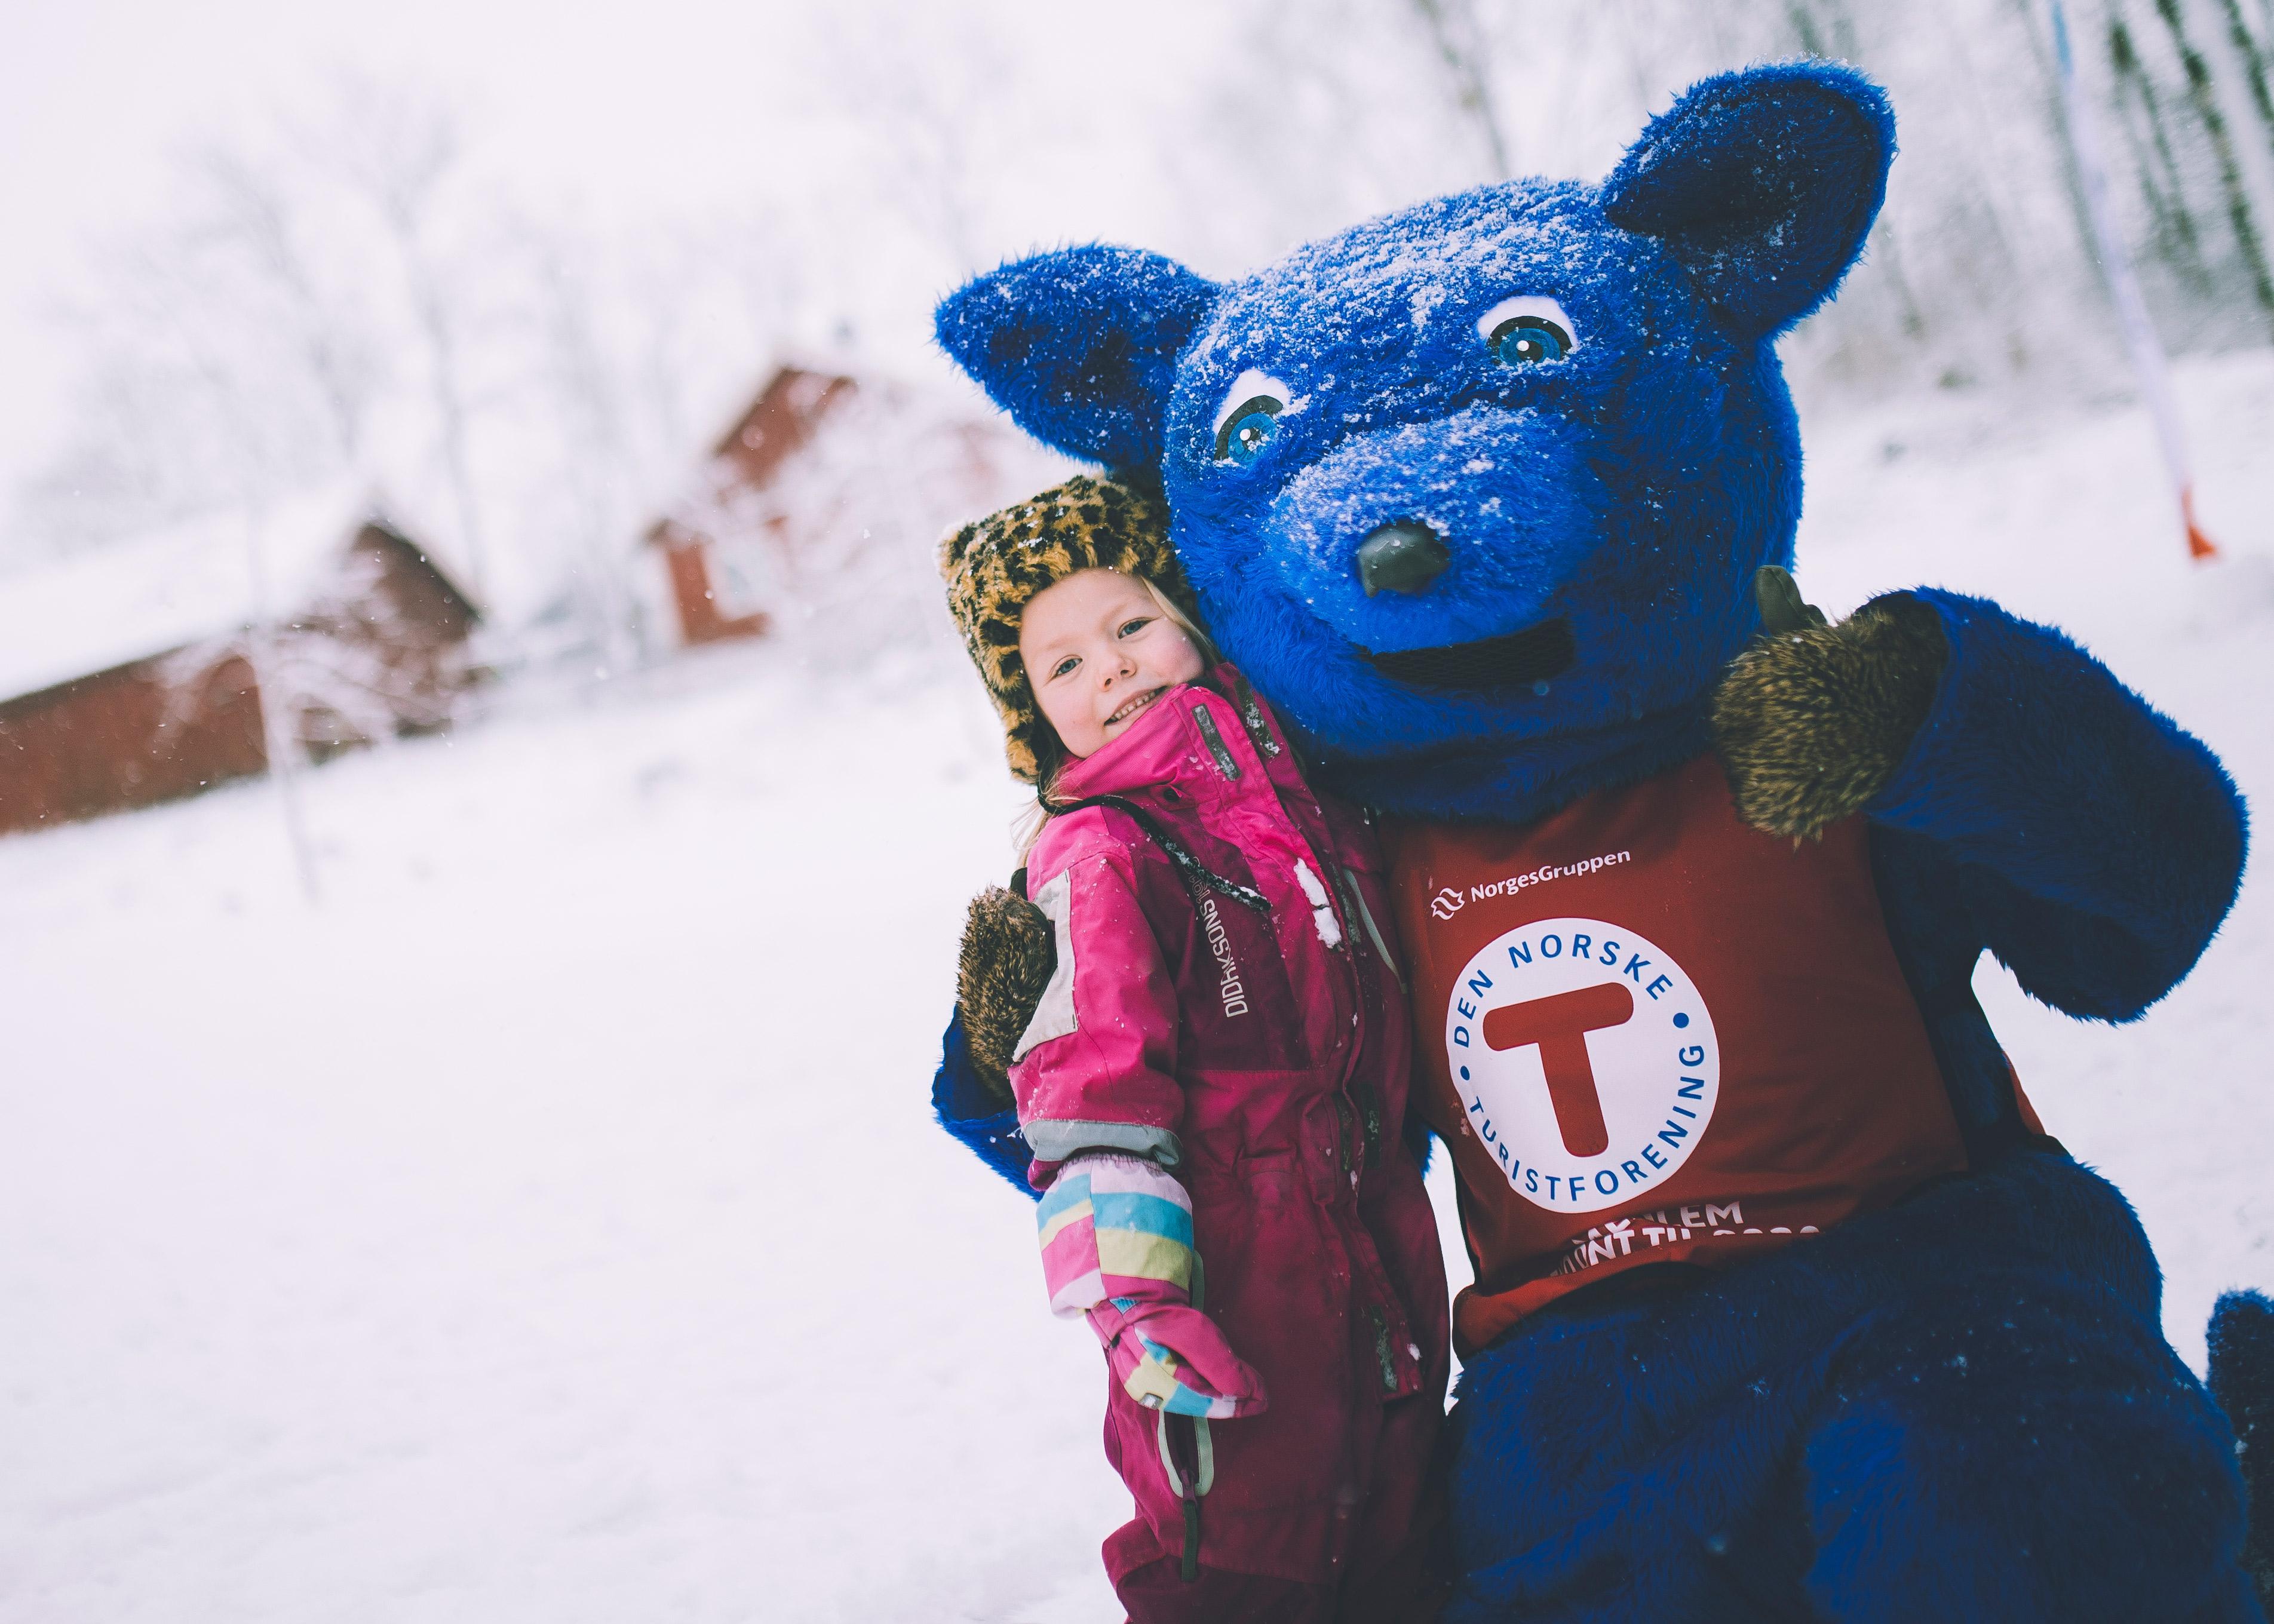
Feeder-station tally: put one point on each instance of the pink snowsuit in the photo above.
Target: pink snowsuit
(1262, 1058)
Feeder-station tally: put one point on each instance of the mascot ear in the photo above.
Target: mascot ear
(1763, 183)
(1080, 345)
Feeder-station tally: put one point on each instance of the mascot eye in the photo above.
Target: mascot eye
(1249, 418)
(1247, 431)
(1524, 339)
(1526, 332)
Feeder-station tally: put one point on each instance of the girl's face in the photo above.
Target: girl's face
(1099, 651)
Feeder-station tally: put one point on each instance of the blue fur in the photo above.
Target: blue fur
(2049, 815)
(1633, 486)
(1763, 184)
(1961, 1406)
(1420, 1144)
(2242, 1381)
(1937, 943)
(2095, 844)
(964, 1107)
(1077, 345)
(1913, 1416)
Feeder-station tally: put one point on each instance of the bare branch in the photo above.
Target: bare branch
(1460, 44)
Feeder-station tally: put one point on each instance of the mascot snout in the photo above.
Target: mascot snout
(1449, 531)
(1404, 557)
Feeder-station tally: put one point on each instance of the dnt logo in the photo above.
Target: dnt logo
(1586, 1060)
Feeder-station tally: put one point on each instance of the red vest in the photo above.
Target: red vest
(1650, 1033)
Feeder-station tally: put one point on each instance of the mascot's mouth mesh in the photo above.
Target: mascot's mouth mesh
(1533, 654)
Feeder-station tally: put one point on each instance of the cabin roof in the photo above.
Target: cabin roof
(150, 594)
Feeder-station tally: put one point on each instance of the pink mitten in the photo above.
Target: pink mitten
(1117, 1234)
(1170, 1357)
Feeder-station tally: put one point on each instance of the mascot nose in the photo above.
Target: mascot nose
(1404, 557)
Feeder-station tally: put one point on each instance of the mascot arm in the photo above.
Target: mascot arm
(2100, 843)
(1008, 953)
(2096, 844)
(963, 1101)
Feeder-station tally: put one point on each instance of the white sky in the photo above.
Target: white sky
(624, 110)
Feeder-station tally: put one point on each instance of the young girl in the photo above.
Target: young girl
(1213, 1087)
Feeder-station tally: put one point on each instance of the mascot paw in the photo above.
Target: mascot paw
(2242, 1380)
(1813, 719)
(1009, 950)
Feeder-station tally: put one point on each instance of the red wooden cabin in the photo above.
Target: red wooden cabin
(712, 591)
(128, 675)
(823, 483)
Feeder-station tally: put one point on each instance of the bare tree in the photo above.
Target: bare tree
(371, 306)
(219, 301)
(2202, 96)
(577, 379)
(1317, 116)
(2252, 54)
(251, 461)
(2162, 185)
(402, 149)
(254, 215)
(1460, 44)
(930, 94)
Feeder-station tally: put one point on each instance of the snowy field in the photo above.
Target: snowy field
(547, 1226)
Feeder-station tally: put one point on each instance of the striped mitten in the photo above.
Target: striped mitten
(1117, 1234)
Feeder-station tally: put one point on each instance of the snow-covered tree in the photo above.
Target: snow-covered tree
(350, 291)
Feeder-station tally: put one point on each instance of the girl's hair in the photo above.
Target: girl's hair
(1052, 755)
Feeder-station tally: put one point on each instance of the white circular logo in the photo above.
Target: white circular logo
(1586, 1060)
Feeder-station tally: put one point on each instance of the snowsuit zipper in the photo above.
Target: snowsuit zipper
(1357, 1106)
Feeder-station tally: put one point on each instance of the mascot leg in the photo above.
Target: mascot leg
(1959, 1408)
(2024, 1447)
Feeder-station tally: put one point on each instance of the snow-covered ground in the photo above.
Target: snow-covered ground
(547, 1226)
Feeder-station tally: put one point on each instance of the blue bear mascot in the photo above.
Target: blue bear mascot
(1787, 1306)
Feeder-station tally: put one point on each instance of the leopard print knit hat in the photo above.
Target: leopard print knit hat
(994, 566)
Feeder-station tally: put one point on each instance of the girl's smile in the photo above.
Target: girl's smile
(1134, 705)
(1100, 649)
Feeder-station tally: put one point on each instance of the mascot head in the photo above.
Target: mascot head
(1475, 491)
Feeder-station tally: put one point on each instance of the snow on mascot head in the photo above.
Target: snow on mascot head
(1478, 494)
(1482, 483)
